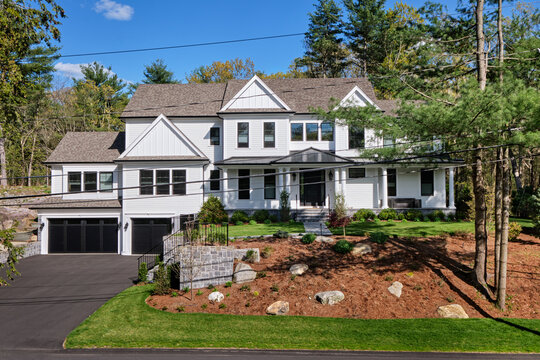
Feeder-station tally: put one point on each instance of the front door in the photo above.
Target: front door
(312, 188)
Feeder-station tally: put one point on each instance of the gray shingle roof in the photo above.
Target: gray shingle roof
(55, 202)
(88, 147)
(151, 100)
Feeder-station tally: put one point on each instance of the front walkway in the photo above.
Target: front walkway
(317, 227)
(55, 293)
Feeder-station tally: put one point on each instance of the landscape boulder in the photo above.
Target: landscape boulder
(361, 249)
(278, 308)
(329, 297)
(452, 311)
(298, 269)
(243, 273)
(215, 296)
(324, 239)
(395, 288)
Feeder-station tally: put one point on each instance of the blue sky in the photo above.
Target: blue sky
(104, 25)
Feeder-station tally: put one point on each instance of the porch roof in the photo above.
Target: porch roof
(307, 156)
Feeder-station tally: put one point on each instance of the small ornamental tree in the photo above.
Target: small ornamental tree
(284, 208)
(213, 211)
(338, 216)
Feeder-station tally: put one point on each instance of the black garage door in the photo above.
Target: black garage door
(83, 235)
(148, 233)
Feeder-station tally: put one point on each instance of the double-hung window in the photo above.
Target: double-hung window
(162, 182)
(392, 182)
(327, 132)
(427, 178)
(243, 134)
(214, 180)
(243, 184)
(90, 181)
(356, 138)
(74, 181)
(388, 141)
(106, 181)
(214, 136)
(146, 182)
(297, 132)
(312, 132)
(270, 184)
(179, 182)
(269, 134)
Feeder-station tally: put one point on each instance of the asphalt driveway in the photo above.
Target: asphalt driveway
(55, 293)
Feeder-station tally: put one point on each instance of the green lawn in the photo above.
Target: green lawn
(264, 229)
(126, 321)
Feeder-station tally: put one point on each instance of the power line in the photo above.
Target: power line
(76, 201)
(183, 46)
(357, 164)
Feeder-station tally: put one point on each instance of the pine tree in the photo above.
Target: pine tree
(326, 55)
(157, 73)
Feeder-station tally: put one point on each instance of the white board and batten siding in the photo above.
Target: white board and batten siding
(256, 96)
(362, 193)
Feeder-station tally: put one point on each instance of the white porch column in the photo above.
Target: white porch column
(343, 180)
(280, 181)
(225, 196)
(337, 183)
(451, 201)
(288, 182)
(384, 190)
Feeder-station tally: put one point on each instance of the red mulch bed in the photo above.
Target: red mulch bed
(434, 272)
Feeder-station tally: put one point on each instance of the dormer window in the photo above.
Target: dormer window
(243, 134)
(269, 134)
(327, 132)
(90, 181)
(74, 181)
(356, 138)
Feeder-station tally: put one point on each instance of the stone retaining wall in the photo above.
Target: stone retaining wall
(32, 249)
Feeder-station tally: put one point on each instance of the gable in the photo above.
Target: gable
(161, 138)
(255, 95)
(356, 97)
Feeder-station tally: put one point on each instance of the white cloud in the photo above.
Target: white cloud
(113, 10)
(69, 70)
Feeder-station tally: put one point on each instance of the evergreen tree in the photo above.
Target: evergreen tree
(157, 73)
(326, 55)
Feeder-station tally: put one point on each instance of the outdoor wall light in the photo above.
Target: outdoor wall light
(331, 175)
(41, 226)
(126, 226)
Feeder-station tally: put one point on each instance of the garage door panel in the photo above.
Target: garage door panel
(148, 233)
(83, 235)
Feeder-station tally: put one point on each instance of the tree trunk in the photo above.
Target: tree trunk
(480, 44)
(3, 163)
(498, 214)
(501, 293)
(515, 171)
(31, 162)
(479, 221)
(500, 40)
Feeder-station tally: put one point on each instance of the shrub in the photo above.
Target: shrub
(199, 292)
(180, 308)
(250, 256)
(523, 202)
(255, 293)
(204, 306)
(245, 288)
(387, 214)
(162, 280)
(186, 289)
(334, 220)
(274, 288)
(439, 215)
(514, 229)
(143, 272)
(343, 247)
(464, 201)
(260, 275)
(378, 237)
(292, 222)
(210, 287)
(401, 216)
(213, 211)
(432, 216)
(239, 216)
(273, 218)
(260, 215)
(267, 221)
(228, 284)
(364, 214)
(414, 215)
(451, 217)
(284, 207)
(174, 294)
(281, 234)
(252, 222)
(267, 251)
(239, 223)
(309, 238)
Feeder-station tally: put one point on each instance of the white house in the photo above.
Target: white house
(244, 141)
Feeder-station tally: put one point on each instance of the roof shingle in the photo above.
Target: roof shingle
(88, 147)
